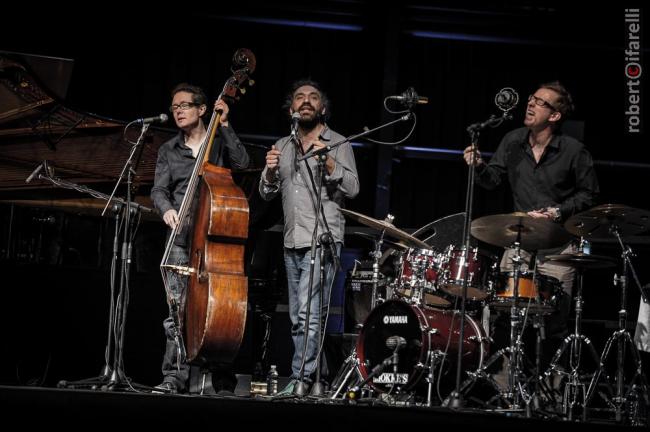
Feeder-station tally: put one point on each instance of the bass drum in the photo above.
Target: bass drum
(420, 330)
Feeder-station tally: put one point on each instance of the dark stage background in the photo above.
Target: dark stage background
(459, 54)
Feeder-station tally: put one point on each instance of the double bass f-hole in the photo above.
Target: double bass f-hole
(201, 270)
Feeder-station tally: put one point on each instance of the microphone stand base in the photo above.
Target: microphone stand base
(317, 389)
(300, 389)
(455, 401)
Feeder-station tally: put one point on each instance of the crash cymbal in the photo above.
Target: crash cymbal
(387, 242)
(596, 222)
(388, 228)
(503, 229)
(580, 260)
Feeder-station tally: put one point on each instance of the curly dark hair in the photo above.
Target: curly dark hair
(323, 97)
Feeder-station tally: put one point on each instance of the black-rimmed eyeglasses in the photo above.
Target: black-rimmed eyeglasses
(183, 106)
(540, 102)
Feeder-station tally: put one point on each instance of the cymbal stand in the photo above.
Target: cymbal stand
(515, 392)
(516, 353)
(376, 254)
(623, 338)
(575, 391)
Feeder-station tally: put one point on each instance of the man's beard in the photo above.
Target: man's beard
(310, 124)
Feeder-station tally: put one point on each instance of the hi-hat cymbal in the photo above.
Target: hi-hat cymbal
(580, 260)
(388, 228)
(598, 221)
(504, 229)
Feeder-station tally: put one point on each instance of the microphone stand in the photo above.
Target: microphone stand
(118, 204)
(328, 148)
(119, 380)
(300, 389)
(455, 399)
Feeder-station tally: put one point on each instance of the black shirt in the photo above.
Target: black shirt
(564, 176)
(175, 164)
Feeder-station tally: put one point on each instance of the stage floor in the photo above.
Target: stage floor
(28, 406)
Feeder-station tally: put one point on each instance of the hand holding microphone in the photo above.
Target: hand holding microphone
(272, 163)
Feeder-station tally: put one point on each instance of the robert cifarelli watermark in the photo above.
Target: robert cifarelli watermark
(633, 71)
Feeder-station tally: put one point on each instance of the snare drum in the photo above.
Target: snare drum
(540, 294)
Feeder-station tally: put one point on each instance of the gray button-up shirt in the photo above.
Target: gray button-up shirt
(298, 198)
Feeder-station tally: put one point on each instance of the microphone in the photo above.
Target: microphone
(295, 118)
(410, 98)
(162, 118)
(395, 342)
(34, 173)
(506, 99)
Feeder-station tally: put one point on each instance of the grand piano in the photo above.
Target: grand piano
(82, 148)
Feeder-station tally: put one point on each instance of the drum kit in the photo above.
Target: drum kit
(408, 344)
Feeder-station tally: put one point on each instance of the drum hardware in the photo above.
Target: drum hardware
(417, 277)
(617, 220)
(522, 232)
(385, 228)
(344, 376)
(435, 357)
(393, 359)
(575, 391)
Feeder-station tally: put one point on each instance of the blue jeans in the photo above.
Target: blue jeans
(297, 262)
(174, 371)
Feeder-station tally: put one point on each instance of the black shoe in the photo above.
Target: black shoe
(165, 388)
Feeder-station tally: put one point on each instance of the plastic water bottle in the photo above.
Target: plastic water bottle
(585, 247)
(272, 381)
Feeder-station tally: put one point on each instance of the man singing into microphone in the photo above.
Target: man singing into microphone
(551, 176)
(176, 160)
(309, 109)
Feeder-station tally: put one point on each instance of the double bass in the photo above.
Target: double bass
(214, 214)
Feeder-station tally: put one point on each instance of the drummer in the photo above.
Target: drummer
(551, 176)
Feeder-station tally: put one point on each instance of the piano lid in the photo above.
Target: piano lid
(35, 125)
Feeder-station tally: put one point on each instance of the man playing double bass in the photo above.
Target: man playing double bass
(176, 160)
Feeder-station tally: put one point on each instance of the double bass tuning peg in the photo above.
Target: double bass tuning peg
(251, 82)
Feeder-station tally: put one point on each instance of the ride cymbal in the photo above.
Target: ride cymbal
(533, 233)
(600, 221)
